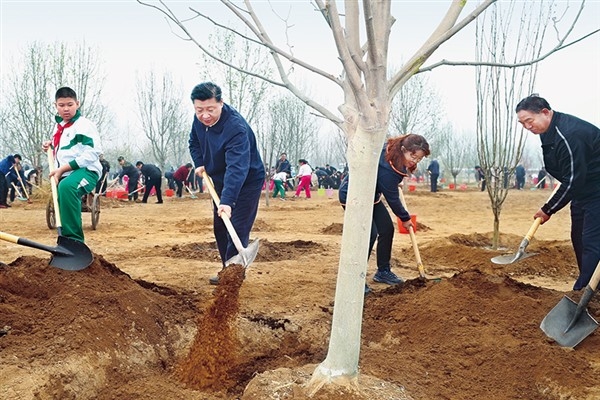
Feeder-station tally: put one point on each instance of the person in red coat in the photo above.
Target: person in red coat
(181, 176)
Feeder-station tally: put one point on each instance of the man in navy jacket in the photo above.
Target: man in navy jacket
(223, 144)
(571, 150)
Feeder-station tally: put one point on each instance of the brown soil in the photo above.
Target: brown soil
(142, 322)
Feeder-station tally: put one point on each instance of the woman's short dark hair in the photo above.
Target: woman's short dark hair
(205, 91)
(533, 103)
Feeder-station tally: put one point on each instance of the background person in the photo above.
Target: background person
(133, 175)
(305, 177)
(571, 150)
(152, 179)
(76, 147)
(180, 177)
(7, 166)
(434, 173)
(223, 144)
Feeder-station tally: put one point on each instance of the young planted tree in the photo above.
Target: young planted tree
(500, 140)
(162, 114)
(364, 118)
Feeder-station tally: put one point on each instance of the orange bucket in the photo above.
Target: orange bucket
(169, 192)
(413, 218)
(412, 188)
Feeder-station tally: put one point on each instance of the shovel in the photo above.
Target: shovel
(70, 254)
(246, 255)
(24, 188)
(567, 323)
(413, 239)
(521, 254)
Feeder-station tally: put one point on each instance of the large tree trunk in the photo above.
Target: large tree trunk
(341, 363)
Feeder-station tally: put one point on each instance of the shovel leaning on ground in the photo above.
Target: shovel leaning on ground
(245, 255)
(413, 240)
(521, 254)
(567, 323)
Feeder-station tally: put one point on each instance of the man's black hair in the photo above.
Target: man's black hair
(533, 103)
(205, 91)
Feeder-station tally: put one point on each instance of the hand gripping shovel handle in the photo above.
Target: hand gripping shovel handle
(234, 237)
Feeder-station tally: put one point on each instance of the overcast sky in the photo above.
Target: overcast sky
(132, 37)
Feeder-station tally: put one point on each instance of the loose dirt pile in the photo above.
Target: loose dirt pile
(143, 315)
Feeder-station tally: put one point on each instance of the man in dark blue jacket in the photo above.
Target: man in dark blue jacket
(223, 144)
(434, 173)
(571, 150)
(7, 167)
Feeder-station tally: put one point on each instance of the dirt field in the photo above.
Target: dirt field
(123, 328)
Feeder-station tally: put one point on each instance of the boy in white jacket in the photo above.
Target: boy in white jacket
(76, 148)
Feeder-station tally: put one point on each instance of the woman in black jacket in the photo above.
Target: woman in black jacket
(399, 157)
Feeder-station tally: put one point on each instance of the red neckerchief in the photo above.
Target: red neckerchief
(56, 138)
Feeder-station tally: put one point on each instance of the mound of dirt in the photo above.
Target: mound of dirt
(468, 336)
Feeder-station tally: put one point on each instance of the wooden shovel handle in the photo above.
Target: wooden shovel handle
(595, 278)
(54, 189)
(234, 236)
(413, 239)
(533, 229)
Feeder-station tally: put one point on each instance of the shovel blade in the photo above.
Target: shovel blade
(71, 255)
(559, 319)
(511, 258)
(246, 256)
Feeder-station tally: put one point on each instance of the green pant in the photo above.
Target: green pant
(279, 189)
(70, 189)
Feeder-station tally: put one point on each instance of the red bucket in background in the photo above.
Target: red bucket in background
(169, 192)
(413, 218)
(451, 186)
(412, 188)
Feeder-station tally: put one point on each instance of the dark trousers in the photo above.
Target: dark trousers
(242, 219)
(3, 189)
(434, 179)
(382, 230)
(585, 236)
(132, 187)
(179, 188)
(153, 183)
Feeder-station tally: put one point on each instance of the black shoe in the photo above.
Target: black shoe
(213, 280)
(387, 276)
(159, 202)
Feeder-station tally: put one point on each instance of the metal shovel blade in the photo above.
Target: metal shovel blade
(511, 258)
(558, 324)
(71, 255)
(246, 256)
